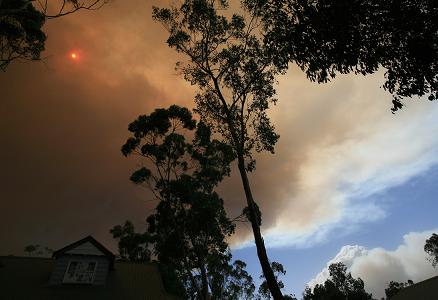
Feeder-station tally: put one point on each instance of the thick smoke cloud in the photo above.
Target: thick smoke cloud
(378, 266)
(63, 122)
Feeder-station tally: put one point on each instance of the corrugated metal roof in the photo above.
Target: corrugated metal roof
(424, 290)
(27, 278)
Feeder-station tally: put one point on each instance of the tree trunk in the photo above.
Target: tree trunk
(260, 245)
(204, 280)
(200, 295)
(261, 250)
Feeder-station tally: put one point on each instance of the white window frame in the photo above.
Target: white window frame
(69, 279)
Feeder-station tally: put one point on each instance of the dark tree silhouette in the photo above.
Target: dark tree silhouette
(231, 281)
(133, 246)
(21, 25)
(264, 289)
(394, 287)
(21, 35)
(37, 250)
(31, 249)
(326, 37)
(431, 248)
(189, 225)
(340, 286)
(235, 74)
(60, 8)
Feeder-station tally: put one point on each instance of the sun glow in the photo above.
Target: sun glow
(74, 56)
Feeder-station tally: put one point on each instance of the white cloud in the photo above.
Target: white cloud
(378, 266)
(346, 151)
(346, 255)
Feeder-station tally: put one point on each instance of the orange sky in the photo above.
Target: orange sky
(63, 121)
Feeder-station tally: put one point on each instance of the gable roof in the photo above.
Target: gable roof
(427, 289)
(23, 278)
(88, 239)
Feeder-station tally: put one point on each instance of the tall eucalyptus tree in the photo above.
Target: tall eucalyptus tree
(234, 71)
(189, 226)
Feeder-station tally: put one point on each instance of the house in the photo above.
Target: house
(424, 290)
(82, 270)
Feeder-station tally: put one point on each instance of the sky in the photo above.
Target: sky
(349, 181)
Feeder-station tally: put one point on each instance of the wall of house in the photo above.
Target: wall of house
(61, 264)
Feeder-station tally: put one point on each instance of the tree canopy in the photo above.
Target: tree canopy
(37, 250)
(189, 225)
(394, 287)
(264, 289)
(340, 286)
(327, 37)
(21, 34)
(431, 248)
(234, 71)
(133, 246)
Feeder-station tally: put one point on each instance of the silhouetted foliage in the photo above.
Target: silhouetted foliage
(394, 287)
(189, 225)
(431, 248)
(37, 250)
(21, 35)
(21, 22)
(59, 8)
(264, 289)
(30, 249)
(231, 281)
(326, 37)
(171, 281)
(133, 246)
(48, 251)
(234, 71)
(341, 285)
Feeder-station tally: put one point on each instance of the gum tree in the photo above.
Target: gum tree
(329, 37)
(133, 246)
(235, 74)
(431, 248)
(394, 287)
(340, 286)
(189, 226)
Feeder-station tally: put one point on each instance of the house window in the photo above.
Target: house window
(79, 271)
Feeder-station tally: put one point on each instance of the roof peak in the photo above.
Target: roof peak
(84, 240)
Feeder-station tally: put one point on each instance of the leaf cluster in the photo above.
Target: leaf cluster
(394, 287)
(233, 69)
(189, 225)
(179, 166)
(35, 249)
(264, 292)
(341, 285)
(327, 37)
(21, 35)
(133, 246)
(431, 248)
(230, 281)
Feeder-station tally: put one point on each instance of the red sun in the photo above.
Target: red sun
(74, 56)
